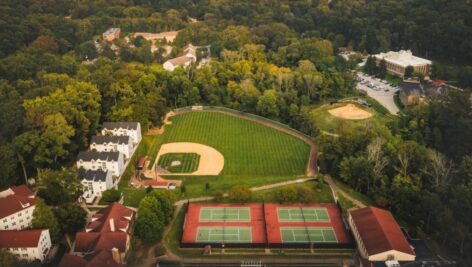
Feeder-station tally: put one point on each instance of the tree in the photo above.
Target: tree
(370, 66)
(149, 226)
(240, 193)
(8, 259)
(86, 50)
(378, 161)
(287, 194)
(409, 71)
(267, 104)
(111, 195)
(8, 165)
(58, 187)
(382, 69)
(44, 218)
(166, 201)
(45, 44)
(72, 218)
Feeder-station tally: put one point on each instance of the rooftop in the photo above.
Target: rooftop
(179, 61)
(105, 139)
(120, 125)
(15, 199)
(403, 58)
(20, 239)
(379, 231)
(111, 31)
(92, 175)
(93, 155)
(102, 258)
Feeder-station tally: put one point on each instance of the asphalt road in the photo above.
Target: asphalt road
(382, 96)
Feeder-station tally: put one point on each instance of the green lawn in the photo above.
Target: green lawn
(331, 124)
(254, 154)
(249, 148)
(187, 162)
(319, 192)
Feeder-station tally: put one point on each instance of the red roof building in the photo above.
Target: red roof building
(27, 244)
(108, 230)
(378, 236)
(16, 208)
(102, 258)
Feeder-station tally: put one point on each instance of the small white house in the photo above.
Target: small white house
(106, 143)
(95, 182)
(16, 208)
(28, 245)
(106, 161)
(189, 56)
(131, 129)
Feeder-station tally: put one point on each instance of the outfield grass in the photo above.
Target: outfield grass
(188, 162)
(319, 192)
(249, 148)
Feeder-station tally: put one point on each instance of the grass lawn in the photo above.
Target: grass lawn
(329, 123)
(187, 162)
(394, 80)
(319, 192)
(249, 148)
(254, 154)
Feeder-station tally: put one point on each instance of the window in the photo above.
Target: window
(25, 255)
(5, 220)
(24, 249)
(15, 249)
(19, 214)
(13, 223)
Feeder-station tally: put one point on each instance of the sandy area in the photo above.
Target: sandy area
(350, 112)
(211, 160)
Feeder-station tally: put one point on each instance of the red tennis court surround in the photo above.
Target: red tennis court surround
(274, 225)
(264, 225)
(192, 221)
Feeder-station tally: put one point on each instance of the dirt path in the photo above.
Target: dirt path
(336, 190)
(311, 169)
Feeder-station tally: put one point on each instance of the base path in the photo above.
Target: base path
(211, 160)
(311, 169)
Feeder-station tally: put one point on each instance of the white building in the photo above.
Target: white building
(189, 56)
(95, 182)
(111, 34)
(16, 208)
(131, 129)
(28, 245)
(397, 62)
(106, 143)
(169, 37)
(106, 161)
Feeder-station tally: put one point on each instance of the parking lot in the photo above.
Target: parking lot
(378, 90)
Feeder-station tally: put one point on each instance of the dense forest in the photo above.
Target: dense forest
(275, 58)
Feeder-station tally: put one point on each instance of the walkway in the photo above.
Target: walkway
(336, 190)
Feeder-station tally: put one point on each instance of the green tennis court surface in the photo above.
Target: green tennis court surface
(302, 215)
(307, 235)
(224, 234)
(224, 215)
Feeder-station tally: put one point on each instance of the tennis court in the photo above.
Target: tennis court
(225, 214)
(302, 215)
(224, 235)
(308, 235)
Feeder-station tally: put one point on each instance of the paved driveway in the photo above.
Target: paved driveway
(382, 96)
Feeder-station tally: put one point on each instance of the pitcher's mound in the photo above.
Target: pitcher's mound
(350, 112)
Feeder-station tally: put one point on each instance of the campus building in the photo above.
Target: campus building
(27, 245)
(169, 37)
(95, 182)
(111, 34)
(189, 56)
(105, 143)
(16, 208)
(105, 161)
(378, 237)
(106, 236)
(131, 129)
(397, 62)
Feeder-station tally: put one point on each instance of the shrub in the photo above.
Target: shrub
(111, 195)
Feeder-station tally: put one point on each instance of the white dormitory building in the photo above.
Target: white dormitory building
(131, 129)
(397, 62)
(189, 56)
(27, 245)
(106, 161)
(169, 37)
(16, 208)
(95, 182)
(106, 143)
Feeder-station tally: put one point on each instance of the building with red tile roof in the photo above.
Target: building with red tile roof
(16, 208)
(378, 236)
(108, 230)
(27, 244)
(102, 258)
